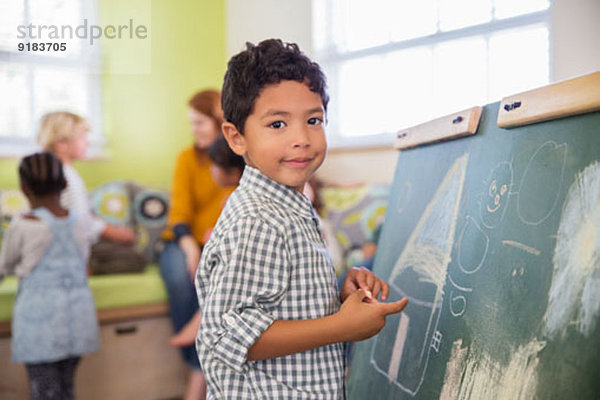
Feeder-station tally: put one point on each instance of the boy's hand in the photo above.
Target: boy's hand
(362, 278)
(361, 319)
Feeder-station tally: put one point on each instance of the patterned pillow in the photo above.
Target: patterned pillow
(354, 212)
(150, 210)
(143, 209)
(111, 202)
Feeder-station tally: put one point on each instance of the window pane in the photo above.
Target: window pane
(361, 87)
(364, 23)
(411, 19)
(460, 72)
(509, 77)
(409, 88)
(512, 8)
(320, 25)
(456, 14)
(14, 101)
(58, 21)
(400, 88)
(60, 89)
(11, 16)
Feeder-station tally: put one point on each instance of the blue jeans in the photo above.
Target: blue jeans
(183, 300)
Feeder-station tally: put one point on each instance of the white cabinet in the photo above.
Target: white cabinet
(135, 360)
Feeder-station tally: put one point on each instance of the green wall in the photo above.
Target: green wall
(145, 112)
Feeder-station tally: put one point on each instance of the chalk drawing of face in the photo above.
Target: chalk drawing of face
(402, 349)
(541, 183)
(497, 193)
(575, 290)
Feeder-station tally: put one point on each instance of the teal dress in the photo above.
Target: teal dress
(54, 315)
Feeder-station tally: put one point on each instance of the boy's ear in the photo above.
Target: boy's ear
(236, 141)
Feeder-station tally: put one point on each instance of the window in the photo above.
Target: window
(33, 83)
(392, 64)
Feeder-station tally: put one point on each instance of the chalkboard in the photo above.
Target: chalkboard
(495, 239)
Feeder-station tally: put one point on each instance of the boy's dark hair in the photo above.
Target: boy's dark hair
(42, 174)
(269, 62)
(222, 156)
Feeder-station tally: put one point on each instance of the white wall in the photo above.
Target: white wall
(575, 31)
(255, 20)
(575, 34)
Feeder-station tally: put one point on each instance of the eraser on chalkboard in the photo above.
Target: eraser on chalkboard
(453, 126)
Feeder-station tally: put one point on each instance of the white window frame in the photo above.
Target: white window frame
(88, 61)
(332, 58)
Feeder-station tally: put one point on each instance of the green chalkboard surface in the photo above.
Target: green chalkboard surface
(495, 239)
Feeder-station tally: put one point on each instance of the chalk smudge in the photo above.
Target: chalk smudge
(575, 291)
(472, 375)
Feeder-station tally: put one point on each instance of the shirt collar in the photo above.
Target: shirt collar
(256, 181)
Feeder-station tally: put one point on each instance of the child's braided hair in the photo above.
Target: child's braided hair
(42, 174)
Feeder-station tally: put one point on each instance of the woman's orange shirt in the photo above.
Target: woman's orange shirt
(196, 200)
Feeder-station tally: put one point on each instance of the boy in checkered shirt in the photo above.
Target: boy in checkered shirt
(273, 322)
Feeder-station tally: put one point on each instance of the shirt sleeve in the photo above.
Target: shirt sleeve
(248, 281)
(97, 227)
(75, 198)
(9, 254)
(181, 197)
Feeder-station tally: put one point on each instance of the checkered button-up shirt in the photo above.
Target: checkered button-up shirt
(265, 261)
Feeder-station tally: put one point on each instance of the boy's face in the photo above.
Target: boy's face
(284, 135)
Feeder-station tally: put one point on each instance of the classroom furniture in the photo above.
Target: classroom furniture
(135, 360)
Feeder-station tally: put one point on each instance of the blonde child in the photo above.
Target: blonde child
(65, 134)
(54, 318)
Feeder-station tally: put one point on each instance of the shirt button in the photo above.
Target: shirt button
(67, 282)
(229, 320)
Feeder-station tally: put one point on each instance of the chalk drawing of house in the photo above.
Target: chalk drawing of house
(401, 350)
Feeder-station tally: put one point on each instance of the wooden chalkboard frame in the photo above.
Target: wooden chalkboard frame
(452, 126)
(570, 97)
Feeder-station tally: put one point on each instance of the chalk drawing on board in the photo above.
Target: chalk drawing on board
(460, 287)
(436, 340)
(574, 294)
(458, 304)
(518, 271)
(473, 244)
(404, 196)
(472, 374)
(420, 273)
(544, 173)
(521, 246)
(495, 200)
